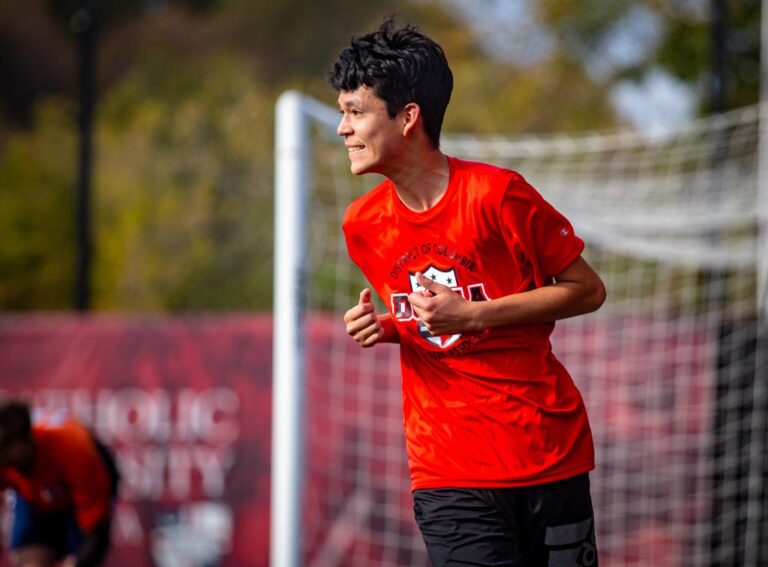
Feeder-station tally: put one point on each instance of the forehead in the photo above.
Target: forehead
(361, 96)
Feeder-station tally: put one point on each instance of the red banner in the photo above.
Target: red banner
(185, 403)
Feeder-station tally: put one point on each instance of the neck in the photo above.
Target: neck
(422, 181)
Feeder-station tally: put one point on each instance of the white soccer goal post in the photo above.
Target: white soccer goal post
(669, 367)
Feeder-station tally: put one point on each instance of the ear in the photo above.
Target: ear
(411, 115)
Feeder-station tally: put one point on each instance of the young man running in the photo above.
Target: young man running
(475, 267)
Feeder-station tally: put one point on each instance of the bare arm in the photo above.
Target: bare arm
(577, 290)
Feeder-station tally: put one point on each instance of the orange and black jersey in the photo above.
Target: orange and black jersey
(69, 471)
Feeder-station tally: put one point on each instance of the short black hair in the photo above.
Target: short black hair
(400, 65)
(15, 421)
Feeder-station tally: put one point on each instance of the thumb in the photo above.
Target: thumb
(365, 296)
(429, 284)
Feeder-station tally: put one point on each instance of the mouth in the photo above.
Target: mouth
(354, 149)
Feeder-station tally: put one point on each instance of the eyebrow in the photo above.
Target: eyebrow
(351, 102)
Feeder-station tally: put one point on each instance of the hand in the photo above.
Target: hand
(442, 310)
(69, 561)
(362, 322)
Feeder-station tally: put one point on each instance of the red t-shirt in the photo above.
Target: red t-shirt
(68, 472)
(493, 409)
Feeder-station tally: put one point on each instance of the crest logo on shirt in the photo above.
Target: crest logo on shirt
(442, 277)
(403, 311)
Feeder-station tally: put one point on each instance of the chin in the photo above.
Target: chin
(359, 169)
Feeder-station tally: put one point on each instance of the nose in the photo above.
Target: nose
(344, 128)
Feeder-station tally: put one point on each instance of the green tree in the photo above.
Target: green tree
(183, 180)
(185, 191)
(685, 50)
(680, 44)
(37, 211)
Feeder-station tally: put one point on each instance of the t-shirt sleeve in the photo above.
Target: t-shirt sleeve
(546, 236)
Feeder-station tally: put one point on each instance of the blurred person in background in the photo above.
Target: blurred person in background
(475, 267)
(63, 482)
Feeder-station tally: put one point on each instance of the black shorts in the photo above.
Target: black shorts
(547, 525)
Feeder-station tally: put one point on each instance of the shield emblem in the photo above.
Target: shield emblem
(447, 278)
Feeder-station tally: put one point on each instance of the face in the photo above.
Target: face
(373, 139)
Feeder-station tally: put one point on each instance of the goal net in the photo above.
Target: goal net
(668, 367)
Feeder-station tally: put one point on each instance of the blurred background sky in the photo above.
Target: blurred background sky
(183, 118)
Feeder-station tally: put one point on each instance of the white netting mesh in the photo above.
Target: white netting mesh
(667, 366)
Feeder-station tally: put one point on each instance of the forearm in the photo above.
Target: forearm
(577, 290)
(550, 303)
